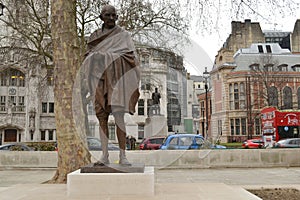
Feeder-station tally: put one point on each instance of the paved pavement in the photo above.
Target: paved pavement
(206, 184)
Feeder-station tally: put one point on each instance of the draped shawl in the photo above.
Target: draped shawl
(110, 70)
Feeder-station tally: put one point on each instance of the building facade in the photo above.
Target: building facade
(262, 75)
(238, 93)
(27, 100)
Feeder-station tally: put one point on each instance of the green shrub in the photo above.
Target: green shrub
(42, 146)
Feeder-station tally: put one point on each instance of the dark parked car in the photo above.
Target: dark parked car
(15, 147)
(253, 143)
(152, 143)
(288, 143)
(94, 144)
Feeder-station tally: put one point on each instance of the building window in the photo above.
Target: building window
(21, 104)
(111, 132)
(298, 97)
(242, 96)
(283, 68)
(238, 126)
(50, 80)
(243, 126)
(141, 132)
(43, 135)
(237, 96)
(47, 107)
(296, 68)
(12, 77)
(145, 83)
(44, 107)
(12, 102)
(232, 126)
(141, 106)
(195, 111)
(50, 135)
(2, 103)
(219, 127)
(254, 67)
(260, 48)
(287, 98)
(269, 50)
(273, 96)
(3, 78)
(51, 107)
(202, 109)
(257, 127)
(269, 67)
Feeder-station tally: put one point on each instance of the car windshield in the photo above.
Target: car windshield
(186, 141)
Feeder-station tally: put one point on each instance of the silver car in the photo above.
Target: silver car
(288, 143)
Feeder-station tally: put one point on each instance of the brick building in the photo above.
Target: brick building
(249, 74)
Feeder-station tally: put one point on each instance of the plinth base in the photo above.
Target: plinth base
(113, 168)
(85, 185)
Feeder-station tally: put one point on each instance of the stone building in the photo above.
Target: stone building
(237, 94)
(27, 99)
(26, 103)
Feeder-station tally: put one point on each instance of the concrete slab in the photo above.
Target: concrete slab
(164, 191)
(201, 184)
(98, 184)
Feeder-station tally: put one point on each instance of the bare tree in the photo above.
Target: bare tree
(267, 81)
(263, 87)
(27, 25)
(72, 150)
(61, 40)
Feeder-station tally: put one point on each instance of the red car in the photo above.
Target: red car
(152, 143)
(253, 143)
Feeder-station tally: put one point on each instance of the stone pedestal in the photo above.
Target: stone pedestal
(113, 168)
(95, 185)
(156, 125)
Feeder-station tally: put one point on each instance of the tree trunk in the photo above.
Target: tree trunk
(72, 148)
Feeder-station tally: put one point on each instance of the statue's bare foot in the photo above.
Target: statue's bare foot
(124, 161)
(99, 163)
(103, 161)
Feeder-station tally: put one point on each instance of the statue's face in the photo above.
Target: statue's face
(109, 17)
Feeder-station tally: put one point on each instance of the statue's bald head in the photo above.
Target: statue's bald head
(109, 16)
(107, 7)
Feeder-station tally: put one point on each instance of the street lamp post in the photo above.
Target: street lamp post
(1, 9)
(205, 76)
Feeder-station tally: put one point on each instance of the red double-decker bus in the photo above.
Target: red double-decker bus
(280, 123)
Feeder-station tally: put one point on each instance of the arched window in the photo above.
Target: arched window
(10, 99)
(283, 67)
(254, 67)
(273, 96)
(298, 97)
(12, 77)
(287, 98)
(269, 67)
